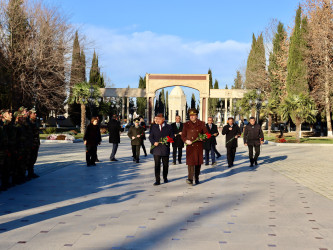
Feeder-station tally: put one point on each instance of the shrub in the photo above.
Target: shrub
(50, 130)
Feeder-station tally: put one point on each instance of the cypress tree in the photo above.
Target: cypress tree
(216, 84)
(250, 64)
(142, 101)
(167, 105)
(297, 68)
(193, 101)
(238, 82)
(211, 101)
(83, 66)
(226, 86)
(95, 75)
(76, 69)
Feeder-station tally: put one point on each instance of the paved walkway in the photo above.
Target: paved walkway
(115, 206)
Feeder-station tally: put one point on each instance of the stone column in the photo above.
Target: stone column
(201, 111)
(127, 109)
(123, 108)
(206, 103)
(226, 110)
(231, 108)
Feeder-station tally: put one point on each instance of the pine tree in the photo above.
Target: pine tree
(297, 69)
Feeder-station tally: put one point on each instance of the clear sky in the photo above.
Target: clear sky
(133, 37)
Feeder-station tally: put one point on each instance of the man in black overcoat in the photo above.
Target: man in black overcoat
(253, 138)
(210, 144)
(160, 151)
(115, 129)
(231, 132)
(144, 126)
(178, 144)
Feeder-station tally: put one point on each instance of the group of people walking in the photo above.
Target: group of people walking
(195, 134)
(19, 145)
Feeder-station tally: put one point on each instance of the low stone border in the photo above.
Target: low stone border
(60, 141)
(297, 144)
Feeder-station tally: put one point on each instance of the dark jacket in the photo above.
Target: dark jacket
(253, 135)
(144, 126)
(211, 141)
(133, 131)
(156, 134)
(194, 152)
(229, 134)
(114, 128)
(178, 139)
(92, 135)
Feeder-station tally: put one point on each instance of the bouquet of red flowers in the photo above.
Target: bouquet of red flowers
(164, 141)
(201, 137)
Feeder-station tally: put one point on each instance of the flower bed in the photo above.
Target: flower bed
(61, 137)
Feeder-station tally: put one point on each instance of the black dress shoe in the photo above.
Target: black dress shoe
(145, 155)
(97, 160)
(256, 163)
(218, 156)
(180, 162)
(89, 165)
(137, 161)
(157, 183)
(114, 159)
(206, 164)
(94, 164)
(166, 180)
(197, 182)
(189, 181)
(229, 166)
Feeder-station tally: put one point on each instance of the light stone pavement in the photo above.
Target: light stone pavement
(284, 203)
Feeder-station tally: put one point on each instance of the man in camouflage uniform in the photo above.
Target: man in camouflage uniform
(34, 128)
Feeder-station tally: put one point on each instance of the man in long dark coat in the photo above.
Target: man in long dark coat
(136, 133)
(144, 126)
(115, 129)
(210, 144)
(253, 138)
(194, 151)
(160, 151)
(178, 145)
(232, 132)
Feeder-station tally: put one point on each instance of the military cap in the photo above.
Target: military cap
(230, 118)
(193, 111)
(160, 115)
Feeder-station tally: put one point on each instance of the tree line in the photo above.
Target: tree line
(296, 80)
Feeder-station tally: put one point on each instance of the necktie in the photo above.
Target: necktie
(178, 125)
(210, 126)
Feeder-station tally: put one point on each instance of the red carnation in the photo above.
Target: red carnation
(208, 135)
(170, 139)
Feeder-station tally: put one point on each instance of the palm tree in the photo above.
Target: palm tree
(82, 94)
(299, 108)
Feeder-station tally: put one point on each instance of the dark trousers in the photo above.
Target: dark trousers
(114, 150)
(212, 153)
(193, 171)
(257, 152)
(136, 152)
(174, 154)
(217, 152)
(231, 152)
(91, 154)
(143, 147)
(32, 161)
(165, 161)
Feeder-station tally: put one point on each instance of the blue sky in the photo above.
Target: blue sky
(133, 37)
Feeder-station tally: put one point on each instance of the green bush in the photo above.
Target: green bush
(50, 130)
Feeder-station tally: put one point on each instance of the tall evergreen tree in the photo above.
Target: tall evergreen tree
(193, 101)
(95, 74)
(297, 68)
(211, 101)
(83, 66)
(167, 105)
(256, 75)
(238, 81)
(142, 101)
(216, 84)
(226, 86)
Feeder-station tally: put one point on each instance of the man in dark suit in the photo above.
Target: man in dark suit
(210, 144)
(253, 138)
(136, 133)
(114, 128)
(160, 151)
(143, 125)
(178, 145)
(232, 132)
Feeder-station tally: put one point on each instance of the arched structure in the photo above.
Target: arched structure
(155, 82)
(177, 104)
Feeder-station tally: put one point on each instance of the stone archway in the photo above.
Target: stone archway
(200, 82)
